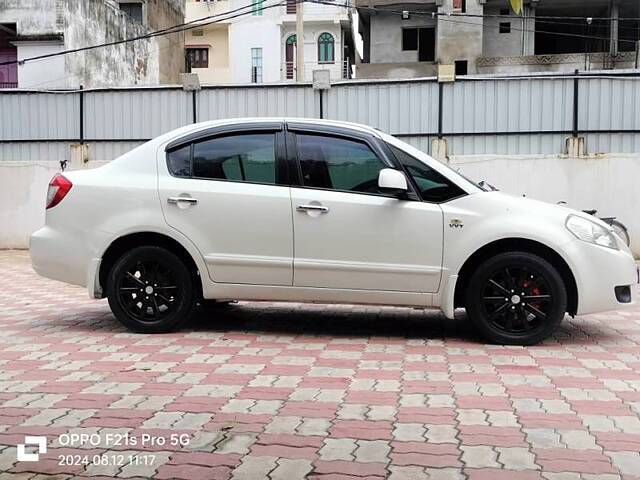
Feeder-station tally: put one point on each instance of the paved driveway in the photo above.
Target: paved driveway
(294, 391)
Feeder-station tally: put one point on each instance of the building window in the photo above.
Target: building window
(504, 27)
(197, 58)
(133, 9)
(459, 6)
(256, 65)
(256, 8)
(291, 6)
(421, 39)
(461, 67)
(409, 39)
(326, 52)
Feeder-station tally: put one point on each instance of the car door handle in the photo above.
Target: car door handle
(176, 200)
(312, 208)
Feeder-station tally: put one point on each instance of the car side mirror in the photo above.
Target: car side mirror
(392, 181)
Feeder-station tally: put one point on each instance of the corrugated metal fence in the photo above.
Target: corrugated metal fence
(499, 115)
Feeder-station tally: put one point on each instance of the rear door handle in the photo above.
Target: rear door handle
(176, 200)
(312, 208)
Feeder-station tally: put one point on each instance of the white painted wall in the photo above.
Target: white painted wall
(31, 74)
(606, 182)
(254, 32)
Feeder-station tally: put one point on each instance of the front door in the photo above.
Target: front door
(224, 193)
(349, 236)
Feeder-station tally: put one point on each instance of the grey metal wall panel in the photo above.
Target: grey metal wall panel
(516, 105)
(135, 114)
(404, 107)
(39, 116)
(609, 104)
(280, 101)
(612, 143)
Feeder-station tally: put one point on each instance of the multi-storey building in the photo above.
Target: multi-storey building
(409, 39)
(260, 45)
(31, 28)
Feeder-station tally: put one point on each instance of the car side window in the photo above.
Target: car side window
(338, 164)
(179, 161)
(240, 158)
(433, 186)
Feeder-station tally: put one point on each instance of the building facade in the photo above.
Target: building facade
(405, 40)
(31, 28)
(260, 46)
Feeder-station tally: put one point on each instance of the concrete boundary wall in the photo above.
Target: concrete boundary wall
(511, 131)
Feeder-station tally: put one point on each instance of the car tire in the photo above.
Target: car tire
(151, 290)
(516, 298)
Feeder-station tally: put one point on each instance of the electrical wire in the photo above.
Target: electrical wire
(448, 19)
(228, 15)
(236, 13)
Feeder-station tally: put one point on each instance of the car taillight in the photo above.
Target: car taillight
(58, 189)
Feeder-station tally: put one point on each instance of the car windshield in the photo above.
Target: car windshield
(461, 180)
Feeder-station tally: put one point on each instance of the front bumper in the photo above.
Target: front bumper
(598, 271)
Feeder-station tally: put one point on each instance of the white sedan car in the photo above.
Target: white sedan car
(320, 211)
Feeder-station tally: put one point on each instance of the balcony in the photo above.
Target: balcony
(8, 85)
(315, 12)
(339, 70)
(563, 62)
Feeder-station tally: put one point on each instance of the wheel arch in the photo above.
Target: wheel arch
(139, 239)
(517, 245)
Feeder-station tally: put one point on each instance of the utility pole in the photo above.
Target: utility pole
(300, 41)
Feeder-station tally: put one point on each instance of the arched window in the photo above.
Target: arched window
(326, 52)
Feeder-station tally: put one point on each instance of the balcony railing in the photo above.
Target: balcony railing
(290, 71)
(8, 85)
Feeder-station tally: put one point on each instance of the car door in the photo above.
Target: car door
(226, 190)
(347, 234)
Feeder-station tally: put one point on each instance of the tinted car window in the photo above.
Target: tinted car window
(338, 164)
(179, 162)
(241, 158)
(433, 186)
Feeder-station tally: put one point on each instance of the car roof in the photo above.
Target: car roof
(190, 133)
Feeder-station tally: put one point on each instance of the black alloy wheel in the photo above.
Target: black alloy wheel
(150, 290)
(516, 298)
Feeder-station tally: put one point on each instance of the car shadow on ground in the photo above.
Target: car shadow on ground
(340, 321)
(333, 321)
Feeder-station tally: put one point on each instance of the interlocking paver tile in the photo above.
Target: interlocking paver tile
(290, 391)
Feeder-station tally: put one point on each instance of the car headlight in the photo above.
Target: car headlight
(591, 232)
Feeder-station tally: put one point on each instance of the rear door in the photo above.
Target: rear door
(227, 191)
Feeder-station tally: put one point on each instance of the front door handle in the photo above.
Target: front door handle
(312, 208)
(176, 200)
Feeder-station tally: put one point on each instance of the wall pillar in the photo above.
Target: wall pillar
(613, 27)
(528, 27)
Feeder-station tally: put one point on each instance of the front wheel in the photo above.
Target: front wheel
(150, 290)
(516, 298)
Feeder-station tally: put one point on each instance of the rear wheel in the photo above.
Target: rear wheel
(150, 290)
(516, 298)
